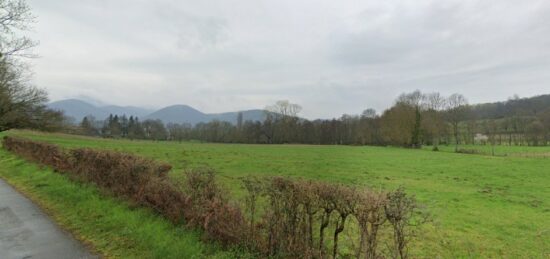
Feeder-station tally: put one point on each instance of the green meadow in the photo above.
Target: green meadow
(482, 206)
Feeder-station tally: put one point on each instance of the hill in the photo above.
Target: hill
(531, 106)
(78, 109)
(178, 114)
(187, 114)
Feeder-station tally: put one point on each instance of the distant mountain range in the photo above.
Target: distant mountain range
(79, 109)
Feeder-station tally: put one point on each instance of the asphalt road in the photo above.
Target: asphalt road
(26, 232)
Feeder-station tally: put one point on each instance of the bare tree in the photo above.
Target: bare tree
(457, 110)
(284, 109)
(414, 99)
(432, 121)
(435, 101)
(15, 16)
(368, 114)
(21, 104)
(281, 118)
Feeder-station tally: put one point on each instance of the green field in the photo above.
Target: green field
(482, 206)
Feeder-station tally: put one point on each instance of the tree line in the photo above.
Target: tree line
(414, 120)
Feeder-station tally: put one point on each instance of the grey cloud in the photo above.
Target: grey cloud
(193, 31)
(332, 57)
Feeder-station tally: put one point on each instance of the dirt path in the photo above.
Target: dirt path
(26, 232)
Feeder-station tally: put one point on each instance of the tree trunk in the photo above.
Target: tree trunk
(324, 224)
(337, 231)
(361, 241)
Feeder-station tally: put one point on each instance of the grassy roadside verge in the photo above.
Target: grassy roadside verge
(111, 227)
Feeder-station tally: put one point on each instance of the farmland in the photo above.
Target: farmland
(482, 206)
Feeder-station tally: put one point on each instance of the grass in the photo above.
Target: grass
(483, 206)
(111, 227)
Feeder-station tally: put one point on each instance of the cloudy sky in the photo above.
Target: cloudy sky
(332, 57)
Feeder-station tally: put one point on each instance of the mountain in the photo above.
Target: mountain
(178, 114)
(78, 109)
(531, 106)
(248, 115)
(128, 110)
(186, 114)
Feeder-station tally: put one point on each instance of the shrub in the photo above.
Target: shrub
(121, 173)
(223, 222)
(140, 180)
(162, 196)
(42, 153)
(468, 151)
(210, 208)
(370, 217)
(404, 214)
(296, 207)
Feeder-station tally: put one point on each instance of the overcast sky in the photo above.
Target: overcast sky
(331, 57)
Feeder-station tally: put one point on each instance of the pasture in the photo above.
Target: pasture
(481, 205)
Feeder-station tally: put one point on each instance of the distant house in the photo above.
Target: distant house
(480, 138)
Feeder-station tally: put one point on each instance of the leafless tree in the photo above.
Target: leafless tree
(284, 109)
(414, 99)
(432, 120)
(457, 110)
(15, 16)
(21, 104)
(281, 120)
(435, 101)
(368, 114)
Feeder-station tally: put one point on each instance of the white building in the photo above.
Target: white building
(481, 138)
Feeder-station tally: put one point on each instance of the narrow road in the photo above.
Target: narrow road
(26, 232)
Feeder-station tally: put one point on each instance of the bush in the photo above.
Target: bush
(211, 210)
(300, 213)
(468, 151)
(42, 153)
(137, 179)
